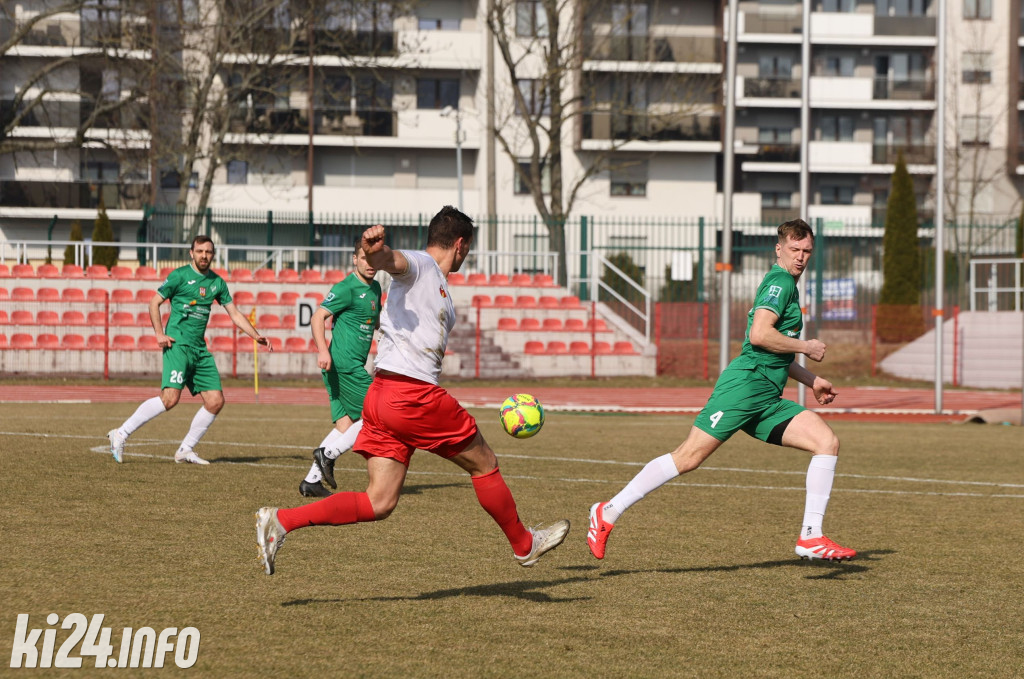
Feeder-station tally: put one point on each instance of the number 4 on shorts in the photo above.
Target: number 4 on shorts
(715, 418)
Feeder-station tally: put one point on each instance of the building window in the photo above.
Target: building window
(521, 188)
(100, 171)
(438, 24)
(836, 195)
(977, 67)
(780, 67)
(437, 92)
(836, 128)
(238, 172)
(777, 199)
(977, 9)
(536, 98)
(531, 19)
(975, 130)
(838, 6)
(774, 135)
(837, 66)
(630, 179)
(901, 8)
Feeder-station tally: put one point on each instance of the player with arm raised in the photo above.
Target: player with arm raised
(748, 397)
(353, 305)
(191, 289)
(405, 409)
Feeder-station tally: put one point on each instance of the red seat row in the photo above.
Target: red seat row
(74, 341)
(579, 348)
(570, 324)
(77, 318)
(140, 273)
(518, 280)
(527, 302)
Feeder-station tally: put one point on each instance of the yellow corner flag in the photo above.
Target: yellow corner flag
(255, 358)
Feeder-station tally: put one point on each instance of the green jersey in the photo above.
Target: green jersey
(355, 308)
(779, 294)
(192, 295)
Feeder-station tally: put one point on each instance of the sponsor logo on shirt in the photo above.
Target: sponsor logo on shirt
(774, 291)
(191, 282)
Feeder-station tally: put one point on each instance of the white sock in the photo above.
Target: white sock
(820, 473)
(200, 423)
(344, 441)
(314, 475)
(143, 414)
(655, 474)
(330, 439)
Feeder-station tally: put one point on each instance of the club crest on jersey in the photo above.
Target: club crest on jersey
(443, 293)
(373, 304)
(202, 292)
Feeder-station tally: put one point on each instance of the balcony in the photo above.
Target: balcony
(605, 125)
(679, 49)
(73, 114)
(776, 153)
(910, 26)
(328, 121)
(80, 194)
(778, 215)
(339, 43)
(781, 21)
(773, 88)
(904, 89)
(913, 154)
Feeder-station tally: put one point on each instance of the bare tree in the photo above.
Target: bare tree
(553, 103)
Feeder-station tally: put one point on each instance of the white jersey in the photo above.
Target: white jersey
(416, 320)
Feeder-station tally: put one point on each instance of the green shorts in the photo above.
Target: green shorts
(346, 392)
(191, 367)
(745, 399)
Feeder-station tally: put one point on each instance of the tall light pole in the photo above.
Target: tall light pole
(448, 112)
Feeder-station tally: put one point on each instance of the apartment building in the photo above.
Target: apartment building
(390, 95)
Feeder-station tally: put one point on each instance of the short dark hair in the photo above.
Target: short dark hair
(199, 240)
(448, 226)
(796, 229)
(358, 245)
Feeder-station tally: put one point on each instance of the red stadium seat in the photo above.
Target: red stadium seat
(289, 297)
(96, 318)
(597, 325)
(504, 301)
(5, 272)
(311, 276)
(96, 295)
(122, 296)
(48, 271)
(557, 348)
(624, 348)
(72, 318)
(508, 324)
(333, 276)
(521, 280)
(72, 271)
(4, 295)
(287, 276)
(143, 320)
(602, 348)
(243, 297)
(47, 295)
(223, 343)
(146, 273)
(264, 275)
(4, 318)
(144, 296)
(22, 317)
(289, 321)
(123, 343)
(569, 302)
(23, 295)
(575, 325)
(526, 302)
(97, 342)
(223, 273)
(22, 340)
(315, 296)
(220, 321)
(579, 348)
(122, 273)
(533, 347)
(48, 317)
(476, 279)
(269, 322)
(241, 276)
(552, 324)
(47, 340)
(122, 319)
(72, 295)
(482, 301)
(165, 272)
(22, 271)
(275, 342)
(3, 342)
(499, 279)
(296, 345)
(97, 271)
(265, 297)
(530, 324)
(543, 280)
(456, 279)
(148, 343)
(72, 342)
(548, 302)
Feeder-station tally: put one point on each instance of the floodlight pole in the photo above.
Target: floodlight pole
(940, 198)
(457, 114)
(728, 165)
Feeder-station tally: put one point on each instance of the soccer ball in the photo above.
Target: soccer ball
(521, 415)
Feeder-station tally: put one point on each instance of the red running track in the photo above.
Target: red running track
(854, 403)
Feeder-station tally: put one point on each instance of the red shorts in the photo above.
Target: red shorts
(401, 414)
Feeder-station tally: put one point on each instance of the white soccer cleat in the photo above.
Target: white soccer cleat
(117, 440)
(188, 455)
(544, 540)
(269, 537)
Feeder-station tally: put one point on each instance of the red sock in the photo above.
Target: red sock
(497, 500)
(336, 510)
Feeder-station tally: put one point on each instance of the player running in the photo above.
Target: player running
(192, 290)
(405, 408)
(748, 397)
(354, 307)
